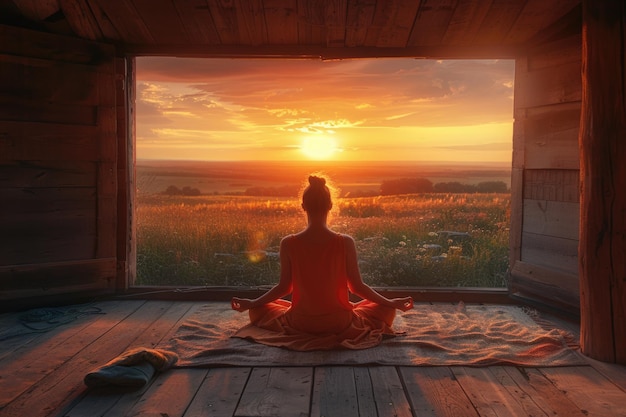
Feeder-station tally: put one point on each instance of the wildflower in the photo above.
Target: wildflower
(455, 250)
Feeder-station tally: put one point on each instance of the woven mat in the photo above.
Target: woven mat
(469, 335)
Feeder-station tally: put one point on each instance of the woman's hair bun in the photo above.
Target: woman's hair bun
(316, 198)
(317, 181)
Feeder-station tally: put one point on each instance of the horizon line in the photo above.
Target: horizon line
(312, 161)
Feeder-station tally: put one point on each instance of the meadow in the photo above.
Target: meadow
(414, 240)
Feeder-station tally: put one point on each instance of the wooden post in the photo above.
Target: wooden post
(602, 249)
(126, 237)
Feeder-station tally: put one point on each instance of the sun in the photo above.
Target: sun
(318, 147)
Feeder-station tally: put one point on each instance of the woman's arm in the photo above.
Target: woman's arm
(281, 289)
(358, 287)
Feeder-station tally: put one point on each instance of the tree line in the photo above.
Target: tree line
(388, 187)
(423, 185)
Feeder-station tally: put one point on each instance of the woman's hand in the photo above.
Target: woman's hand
(403, 304)
(241, 304)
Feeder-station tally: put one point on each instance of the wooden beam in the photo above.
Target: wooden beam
(126, 204)
(57, 278)
(321, 52)
(603, 177)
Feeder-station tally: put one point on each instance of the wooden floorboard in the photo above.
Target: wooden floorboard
(546, 395)
(335, 392)
(170, 394)
(219, 393)
(284, 392)
(17, 337)
(389, 394)
(365, 392)
(38, 376)
(435, 391)
(41, 374)
(589, 390)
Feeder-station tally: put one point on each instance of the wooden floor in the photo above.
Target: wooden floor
(41, 374)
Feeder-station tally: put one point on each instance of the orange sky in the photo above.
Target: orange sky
(374, 109)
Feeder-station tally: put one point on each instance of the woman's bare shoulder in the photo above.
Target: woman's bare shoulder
(347, 239)
(345, 236)
(286, 239)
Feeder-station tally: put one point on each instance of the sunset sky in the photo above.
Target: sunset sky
(276, 109)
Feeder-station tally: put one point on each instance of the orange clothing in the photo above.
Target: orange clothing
(320, 316)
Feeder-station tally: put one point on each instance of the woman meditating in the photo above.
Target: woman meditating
(319, 268)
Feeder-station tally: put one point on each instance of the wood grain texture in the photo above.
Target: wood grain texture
(553, 137)
(335, 393)
(198, 22)
(58, 187)
(167, 25)
(551, 283)
(558, 84)
(552, 253)
(559, 185)
(388, 392)
(491, 395)
(585, 387)
(431, 22)
(545, 394)
(545, 211)
(50, 392)
(603, 174)
(435, 392)
(276, 392)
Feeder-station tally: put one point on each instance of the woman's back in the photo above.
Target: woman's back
(318, 270)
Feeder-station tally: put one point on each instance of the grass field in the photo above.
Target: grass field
(444, 240)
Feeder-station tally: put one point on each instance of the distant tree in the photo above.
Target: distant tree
(406, 186)
(492, 187)
(454, 187)
(174, 190)
(190, 191)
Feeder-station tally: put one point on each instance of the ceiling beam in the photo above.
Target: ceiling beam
(325, 53)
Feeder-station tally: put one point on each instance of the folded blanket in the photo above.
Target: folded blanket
(132, 369)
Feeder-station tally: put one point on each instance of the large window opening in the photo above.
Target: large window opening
(419, 150)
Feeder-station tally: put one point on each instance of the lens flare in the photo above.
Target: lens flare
(256, 247)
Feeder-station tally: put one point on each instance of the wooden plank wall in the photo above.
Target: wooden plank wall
(545, 186)
(58, 165)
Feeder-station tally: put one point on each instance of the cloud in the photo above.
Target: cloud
(344, 84)
(399, 116)
(271, 100)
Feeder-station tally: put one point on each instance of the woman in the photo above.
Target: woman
(319, 268)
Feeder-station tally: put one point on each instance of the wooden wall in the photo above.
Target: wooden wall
(58, 165)
(545, 179)
(66, 180)
(603, 174)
